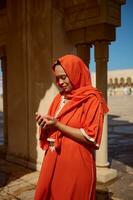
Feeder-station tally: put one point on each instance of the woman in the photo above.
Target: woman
(70, 133)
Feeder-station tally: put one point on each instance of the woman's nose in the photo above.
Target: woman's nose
(61, 81)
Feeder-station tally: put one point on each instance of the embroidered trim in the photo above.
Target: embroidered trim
(52, 140)
(62, 103)
(51, 143)
(88, 137)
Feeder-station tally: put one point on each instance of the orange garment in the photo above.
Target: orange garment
(69, 172)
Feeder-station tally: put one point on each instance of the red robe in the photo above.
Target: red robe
(69, 172)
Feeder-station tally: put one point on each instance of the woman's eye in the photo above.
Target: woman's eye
(63, 77)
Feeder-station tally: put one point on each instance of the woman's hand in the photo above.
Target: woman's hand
(40, 120)
(45, 121)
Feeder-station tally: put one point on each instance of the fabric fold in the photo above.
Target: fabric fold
(79, 97)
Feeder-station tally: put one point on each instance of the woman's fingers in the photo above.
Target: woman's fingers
(48, 117)
(45, 121)
(37, 116)
(40, 120)
(50, 120)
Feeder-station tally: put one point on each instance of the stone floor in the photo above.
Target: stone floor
(121, 146)
(18, 183)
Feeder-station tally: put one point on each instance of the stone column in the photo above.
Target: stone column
(30, 82)
(17, 83)
(104, 174)
(83, 51)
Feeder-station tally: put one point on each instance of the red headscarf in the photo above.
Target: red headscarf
(79, 76)
(76, 70)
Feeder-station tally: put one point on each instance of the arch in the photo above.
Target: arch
(129, 81)
(116, 83)
(122, 81)
(110, 81)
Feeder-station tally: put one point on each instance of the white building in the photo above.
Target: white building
(120, 82)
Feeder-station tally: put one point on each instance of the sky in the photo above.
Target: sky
(121, 50)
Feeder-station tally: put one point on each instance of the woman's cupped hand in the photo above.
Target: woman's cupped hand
(45, 121)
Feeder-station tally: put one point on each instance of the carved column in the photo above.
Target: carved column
(83, 51)
(104, 174)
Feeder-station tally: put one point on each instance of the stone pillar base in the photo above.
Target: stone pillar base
(105, 174)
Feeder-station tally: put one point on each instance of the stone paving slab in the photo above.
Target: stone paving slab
(20, 184)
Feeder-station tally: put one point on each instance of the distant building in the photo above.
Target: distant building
(120, 82)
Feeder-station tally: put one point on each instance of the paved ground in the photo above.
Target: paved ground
(121, 146)
(20, 182)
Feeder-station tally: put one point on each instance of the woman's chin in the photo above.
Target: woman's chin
(66, 91)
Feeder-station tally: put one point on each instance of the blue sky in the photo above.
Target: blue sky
(121, 50)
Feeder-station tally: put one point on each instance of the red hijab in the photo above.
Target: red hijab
(79, 75)
(76, 70)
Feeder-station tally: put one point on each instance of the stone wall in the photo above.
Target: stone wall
(35, 39)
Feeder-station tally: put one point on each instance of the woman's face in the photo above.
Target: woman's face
(62, 79)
